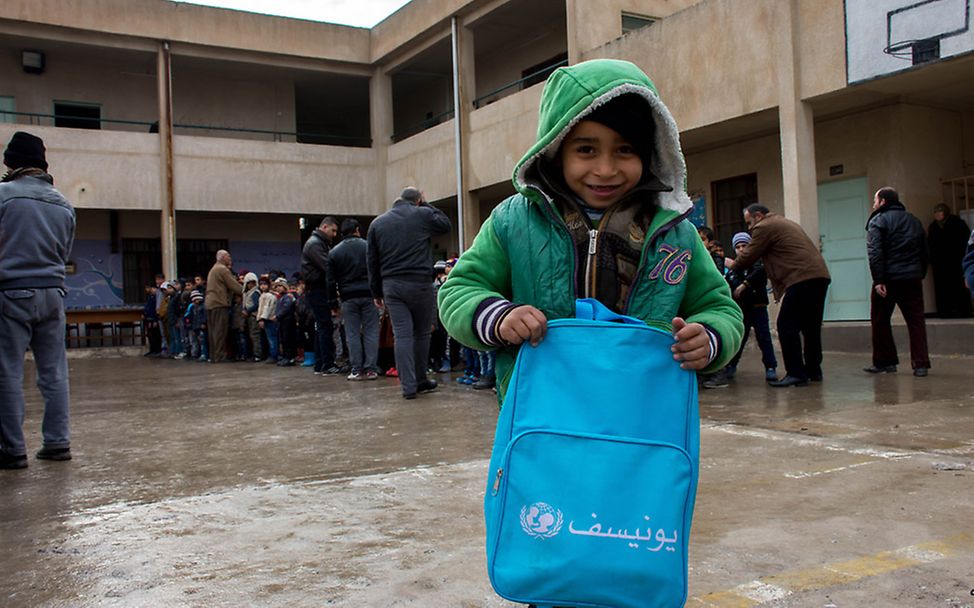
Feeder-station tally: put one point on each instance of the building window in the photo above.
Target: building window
(730, 197)
(540, 72)
(632, 22)
(76, 115)
(7, 106)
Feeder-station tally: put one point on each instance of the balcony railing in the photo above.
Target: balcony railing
(504, 91)
(34, 118)
(423, 125)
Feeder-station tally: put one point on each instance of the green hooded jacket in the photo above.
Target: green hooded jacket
(525, 252)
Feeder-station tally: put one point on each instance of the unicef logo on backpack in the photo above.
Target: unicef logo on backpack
(541, 520)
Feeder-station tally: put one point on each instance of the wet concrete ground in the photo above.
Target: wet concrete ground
(251, 485)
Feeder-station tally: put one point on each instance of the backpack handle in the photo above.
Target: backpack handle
(593, 310)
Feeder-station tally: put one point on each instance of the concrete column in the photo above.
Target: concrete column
(381, 119)
(571, 25)
(168, 216)
(464, 74)
(797, 126)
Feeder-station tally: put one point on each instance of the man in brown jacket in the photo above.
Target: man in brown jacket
(800, 281)
(221, 287)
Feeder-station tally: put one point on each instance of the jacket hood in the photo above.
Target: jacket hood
(574, 92)
(250, 276)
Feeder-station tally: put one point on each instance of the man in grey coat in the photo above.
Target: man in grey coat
(400, 259)
(36, 233)
(349, 267)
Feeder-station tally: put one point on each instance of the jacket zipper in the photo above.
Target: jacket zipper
(590, 270)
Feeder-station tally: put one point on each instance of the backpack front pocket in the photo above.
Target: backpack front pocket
(590, 520)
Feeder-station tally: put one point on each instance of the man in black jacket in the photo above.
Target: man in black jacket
(897, 247)
(322, 297)
(400, 260)
(350, 270)
(36, 234)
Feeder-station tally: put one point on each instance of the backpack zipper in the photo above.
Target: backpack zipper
(497, 481)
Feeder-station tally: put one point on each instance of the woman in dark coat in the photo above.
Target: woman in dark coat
(947, 239)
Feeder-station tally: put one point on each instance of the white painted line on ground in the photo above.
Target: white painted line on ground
(804, 474)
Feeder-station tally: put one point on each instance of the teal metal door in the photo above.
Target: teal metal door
(843, 208)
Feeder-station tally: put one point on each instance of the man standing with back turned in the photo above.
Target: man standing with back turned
(897, 247)
(36, 233)
(400, 260)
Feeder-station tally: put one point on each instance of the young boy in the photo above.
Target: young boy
(251, 304)
(286, 324)
(713, 246)
(750, 289)
(600, 212)
(196, 314)
(266, 306)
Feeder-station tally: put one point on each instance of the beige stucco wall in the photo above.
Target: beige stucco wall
(198, 25)
(425, 160)
(713, 78)
(208, 98)
(599, 22)
(821, 44)
(216, 174)
(500, 134)
(100, 169)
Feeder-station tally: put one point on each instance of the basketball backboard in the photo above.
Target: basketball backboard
(886, 36)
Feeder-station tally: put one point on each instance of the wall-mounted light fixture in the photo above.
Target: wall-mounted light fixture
(33, 62)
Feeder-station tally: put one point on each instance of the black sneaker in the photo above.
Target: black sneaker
(426, 386)
(789, 381)
(920, 372)
(332, 371)
(484, 383)
(53, 454)
(409, 395)
(12, 462)
(880, 369)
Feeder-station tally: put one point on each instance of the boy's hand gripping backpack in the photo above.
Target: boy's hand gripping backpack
(594, 469)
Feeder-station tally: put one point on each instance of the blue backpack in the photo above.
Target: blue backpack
(593, 474)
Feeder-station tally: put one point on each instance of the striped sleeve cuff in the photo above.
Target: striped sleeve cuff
(715, 343)
(488, 317)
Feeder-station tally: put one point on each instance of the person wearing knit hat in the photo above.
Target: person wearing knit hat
(25, 151)
(249, 307)
(34, 251)
(740, 238)
(750, 289)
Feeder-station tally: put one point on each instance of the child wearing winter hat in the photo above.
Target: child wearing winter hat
(266, 307)
(750, 290)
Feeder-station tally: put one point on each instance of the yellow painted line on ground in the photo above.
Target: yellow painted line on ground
(777, 586)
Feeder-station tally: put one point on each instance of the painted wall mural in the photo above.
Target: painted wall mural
(97, 277)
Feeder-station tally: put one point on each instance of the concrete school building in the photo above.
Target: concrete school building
(178, 129)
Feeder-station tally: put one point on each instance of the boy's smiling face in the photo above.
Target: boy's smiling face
(599, 165)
